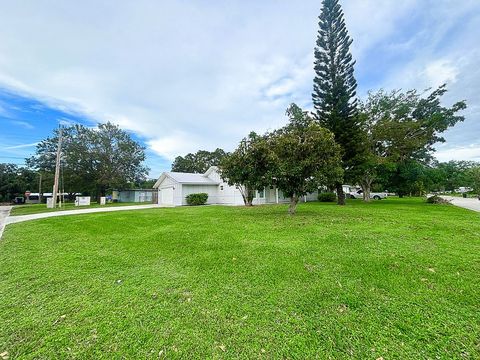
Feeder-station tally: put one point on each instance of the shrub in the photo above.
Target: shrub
(327, 197)
(197, 199)
(435, 199)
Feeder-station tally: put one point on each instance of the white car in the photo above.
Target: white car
(358, 194)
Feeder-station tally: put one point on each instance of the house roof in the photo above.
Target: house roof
(188, 178)
(191, 178)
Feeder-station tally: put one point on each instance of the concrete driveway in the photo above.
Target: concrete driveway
(4, 212)
(21, 218)
(468, 203)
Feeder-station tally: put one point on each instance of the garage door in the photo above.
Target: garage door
(167, 196)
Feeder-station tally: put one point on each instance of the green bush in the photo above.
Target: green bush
(327, 197)
(435, 199)
(197, 199)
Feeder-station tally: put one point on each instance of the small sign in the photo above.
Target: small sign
(50, 203)
(82, 201)
(103, 200)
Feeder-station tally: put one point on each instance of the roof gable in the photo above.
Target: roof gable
(186, 178)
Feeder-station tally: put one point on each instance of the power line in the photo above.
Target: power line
(11, 157)
(19, 164)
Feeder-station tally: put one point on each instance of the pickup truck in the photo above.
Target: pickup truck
(358, 194)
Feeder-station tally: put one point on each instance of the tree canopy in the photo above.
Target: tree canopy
(249, 166)
(15, 181)
(298, 158)
(306, 157)
(400, 129)
(334, 89)
(93, 160)
(198, 162)
(474, 178)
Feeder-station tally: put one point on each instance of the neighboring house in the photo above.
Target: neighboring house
(173, 187)
(134, 195)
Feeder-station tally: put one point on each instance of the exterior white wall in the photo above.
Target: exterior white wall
(177, 191)
(211, 190)
(282, 198)
(312, 196)
(229, 195)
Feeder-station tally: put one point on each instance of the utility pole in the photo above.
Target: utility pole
(40, 189)
(57, 168)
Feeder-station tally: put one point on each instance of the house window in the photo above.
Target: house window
(261, 193)
(221, 187)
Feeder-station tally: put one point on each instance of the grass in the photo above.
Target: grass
(28, 209)
(396, 278)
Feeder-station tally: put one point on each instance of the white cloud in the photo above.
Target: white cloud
(21, 146)
(471, 152)
(440, 72)
(171, 145)
(23, 124)
(188, 75)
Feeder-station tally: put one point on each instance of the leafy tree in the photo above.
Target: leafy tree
(76, 161)
(400, 129)
(199, 162)
(474, 176)
(93, 160)
(118, 158)
(15, 181)
(334, 89)
(248, 166)
(146, 184)
(451, 175)
(305, 157)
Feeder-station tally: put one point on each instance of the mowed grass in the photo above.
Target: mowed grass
(29, 209)
(393, 279)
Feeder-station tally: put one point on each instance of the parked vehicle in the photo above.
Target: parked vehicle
(358, 194)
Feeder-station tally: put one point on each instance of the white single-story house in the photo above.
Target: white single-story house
(173, 187)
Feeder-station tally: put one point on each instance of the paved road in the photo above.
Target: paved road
(4, 211)
(21, 218)
(469, 203)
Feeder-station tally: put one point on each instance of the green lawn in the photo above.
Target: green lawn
(28, 209)
(393, 279)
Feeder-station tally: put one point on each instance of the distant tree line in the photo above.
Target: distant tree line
(15, 180)
(93, 161)
(198, 162)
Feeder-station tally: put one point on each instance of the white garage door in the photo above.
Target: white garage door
(167, 196)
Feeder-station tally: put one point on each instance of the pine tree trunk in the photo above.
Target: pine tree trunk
(292, 208)
(340, 194)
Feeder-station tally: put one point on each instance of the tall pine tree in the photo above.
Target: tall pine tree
(334, 88)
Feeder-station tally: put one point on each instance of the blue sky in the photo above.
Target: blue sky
(188, 75)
